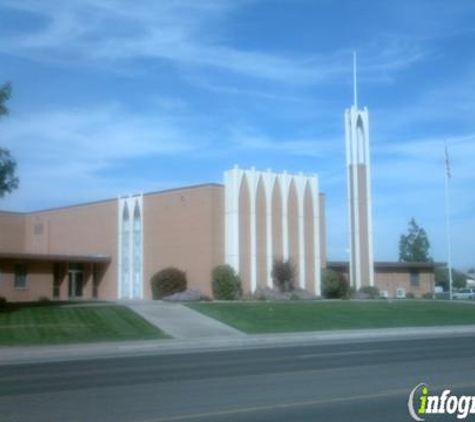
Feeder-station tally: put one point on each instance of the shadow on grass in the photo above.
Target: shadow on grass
(6, 307)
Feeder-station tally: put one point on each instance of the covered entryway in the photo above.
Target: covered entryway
(75, 281)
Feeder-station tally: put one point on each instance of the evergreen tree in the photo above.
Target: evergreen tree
(8, 180)
(414, 246)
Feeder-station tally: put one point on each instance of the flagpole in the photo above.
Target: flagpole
(447, 217)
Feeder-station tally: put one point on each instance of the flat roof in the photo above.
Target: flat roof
(102, 201)
(391, 264)
(94, 258)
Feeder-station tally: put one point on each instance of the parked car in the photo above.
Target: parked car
(466, 294)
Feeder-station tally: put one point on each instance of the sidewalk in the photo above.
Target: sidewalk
(179, 321)
(38, 354)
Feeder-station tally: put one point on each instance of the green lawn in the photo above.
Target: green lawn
(59, 323)
(281, 317)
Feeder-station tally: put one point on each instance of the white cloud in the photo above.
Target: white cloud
(64, 156)
(95, 32)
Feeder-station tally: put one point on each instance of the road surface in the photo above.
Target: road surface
(341, 382)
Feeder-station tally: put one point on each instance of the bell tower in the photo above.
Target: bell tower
(358, 166)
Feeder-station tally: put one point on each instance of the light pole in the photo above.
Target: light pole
(447, 217)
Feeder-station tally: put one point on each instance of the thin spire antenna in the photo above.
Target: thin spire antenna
(355, 85)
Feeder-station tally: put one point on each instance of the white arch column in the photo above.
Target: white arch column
(314, 185)
(233, 179)
(300, 184)
(284, 182)
(252, 182)
(269, 182)
(130, 246)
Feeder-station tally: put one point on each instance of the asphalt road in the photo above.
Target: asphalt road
(343, 382)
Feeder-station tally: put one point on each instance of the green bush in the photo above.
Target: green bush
(428, 296)
(3, 303)
(371, 291)
(226, 284)
(410, 295)
(283, 273)
(168, 281)
(334, 285)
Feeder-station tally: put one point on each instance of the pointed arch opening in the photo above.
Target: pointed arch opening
(277, 241)
(245, 235)
(293, 223)
(261, 234)
(309, 239)
(125, 257)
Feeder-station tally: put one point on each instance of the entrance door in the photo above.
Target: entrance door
(75, 281)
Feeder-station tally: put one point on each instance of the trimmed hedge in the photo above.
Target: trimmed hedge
(371, 291)
(334, 285)
(226, 284)
(168, 281)
(284, 273)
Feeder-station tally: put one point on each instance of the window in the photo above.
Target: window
(20, 276)
(415, 278)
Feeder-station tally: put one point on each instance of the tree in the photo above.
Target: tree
(414, 246)
(226, 284)
(8, 180)
(459, 281)
(283, 273)
(334, 284)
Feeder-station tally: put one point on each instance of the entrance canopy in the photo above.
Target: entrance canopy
(93, 259)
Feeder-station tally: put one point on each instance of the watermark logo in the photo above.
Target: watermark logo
(422, 403)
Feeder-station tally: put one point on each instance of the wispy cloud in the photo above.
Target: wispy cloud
(66, 154)
(96, 31)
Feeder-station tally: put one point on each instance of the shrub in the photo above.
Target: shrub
(428, 296)
(334, 285)
(283, 273)
(3, 303)
(168, 281)
(372, 292)
(44, 299)
(410, 295)
(226, 284)
(188, 295)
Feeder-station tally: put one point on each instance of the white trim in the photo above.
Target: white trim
(233, 180)
(358, 153)
(126, 286)
(356, 208)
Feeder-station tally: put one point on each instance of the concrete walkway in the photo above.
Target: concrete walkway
(181, 322)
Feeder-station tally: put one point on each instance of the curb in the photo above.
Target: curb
(66, 353)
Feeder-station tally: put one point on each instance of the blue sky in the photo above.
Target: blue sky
(112, 97)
